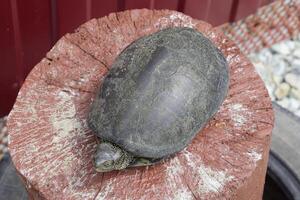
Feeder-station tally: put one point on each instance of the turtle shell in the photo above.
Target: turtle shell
(160, 92)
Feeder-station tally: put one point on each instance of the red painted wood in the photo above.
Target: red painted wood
(99, 9)
(246, 8)
(8, 81)
(19, 53)
(233, 10)
(131, 4)
(165, 4)
(35, 31)
(70, 14)
(88, 9)
(197, 9)
(54, 21)
(219, 12)
(265, 2)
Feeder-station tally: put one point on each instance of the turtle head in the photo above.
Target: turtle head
(109, 157)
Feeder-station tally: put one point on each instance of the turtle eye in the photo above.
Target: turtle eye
(108, 163)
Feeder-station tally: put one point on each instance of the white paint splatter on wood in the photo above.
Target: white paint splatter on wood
(211, 180)
(174, 181)
(177, 19)
(254, 155)
(63, 118)
(106, 190)
(239, 114)
(183, 194)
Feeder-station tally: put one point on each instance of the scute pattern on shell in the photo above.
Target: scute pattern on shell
(159, 93)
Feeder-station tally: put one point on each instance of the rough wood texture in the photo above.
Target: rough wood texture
(52, 146)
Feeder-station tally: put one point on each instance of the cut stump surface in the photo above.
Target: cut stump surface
(52, 147)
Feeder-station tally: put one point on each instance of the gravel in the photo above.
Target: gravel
(3, 137)
(279, 67)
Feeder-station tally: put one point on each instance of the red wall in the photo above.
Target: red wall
(28, 28)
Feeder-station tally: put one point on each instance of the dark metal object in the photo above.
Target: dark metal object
(286, 138)
(285, 184)
(283, 173)
(160, 92)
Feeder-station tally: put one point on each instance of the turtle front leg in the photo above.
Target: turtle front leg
(110, 157)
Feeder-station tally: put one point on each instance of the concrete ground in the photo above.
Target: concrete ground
(11, 187)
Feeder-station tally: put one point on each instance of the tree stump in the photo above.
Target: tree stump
(52, 147)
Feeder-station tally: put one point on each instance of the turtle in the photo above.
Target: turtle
(160, 92)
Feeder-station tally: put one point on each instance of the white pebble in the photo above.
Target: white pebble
(289, 103)
(279, 67)
(293, 104)
(277, 79)
(297, 113)
(283, 48)
(264, 72)
(265, 56)
(282, 90)
(284, 103)
(295, 93)
(293, 80)
(295, 63)
(297, 42)
(289, 59)
(260, 68)
(271, 89)
(296, 53)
